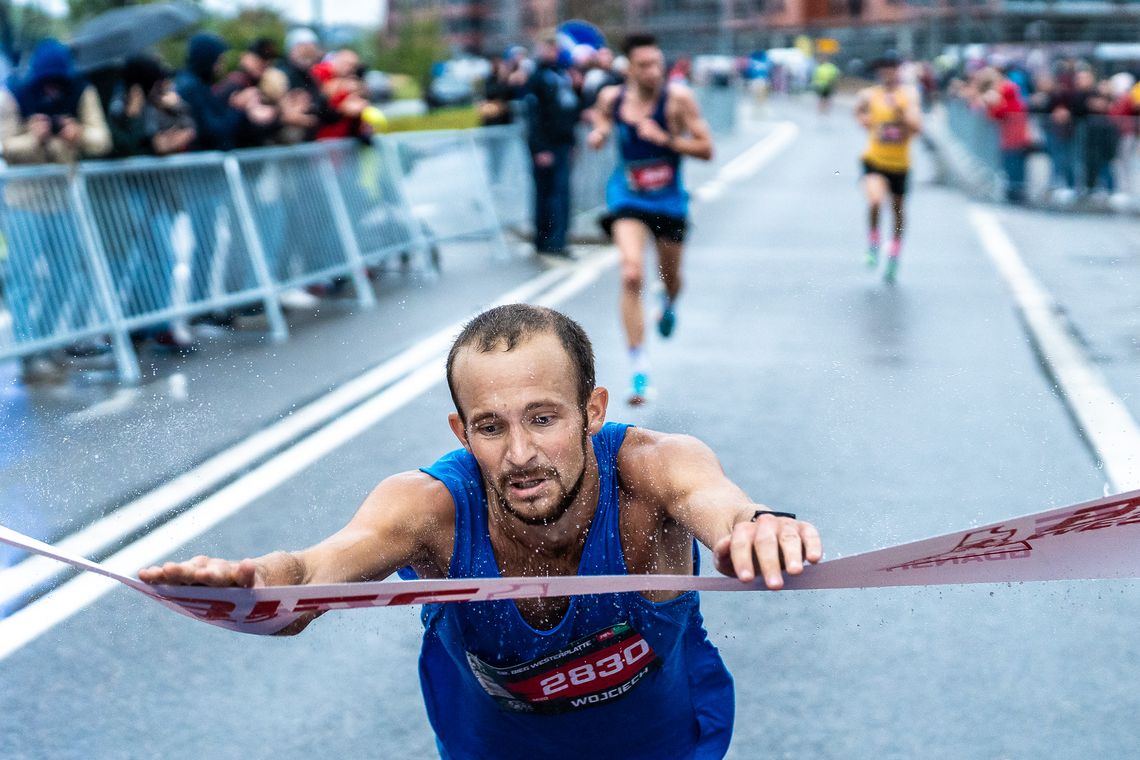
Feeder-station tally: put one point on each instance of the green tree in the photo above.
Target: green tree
(419, 44)
(79, 11)
(238, 31)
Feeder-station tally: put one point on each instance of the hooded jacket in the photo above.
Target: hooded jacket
(1012, 116)
(216, 122)
(51, 88)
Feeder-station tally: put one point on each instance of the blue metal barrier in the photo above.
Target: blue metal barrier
(111, 248)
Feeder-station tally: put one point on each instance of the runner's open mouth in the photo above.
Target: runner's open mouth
(526, 485)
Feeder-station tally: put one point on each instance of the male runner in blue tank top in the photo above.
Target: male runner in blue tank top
(544, 486)
(657, 123)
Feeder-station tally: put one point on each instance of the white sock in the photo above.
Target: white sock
(638, 359)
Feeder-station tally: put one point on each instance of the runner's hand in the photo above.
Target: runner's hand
(765, 546)
(597, 138)
(650, 131)
(205, 571)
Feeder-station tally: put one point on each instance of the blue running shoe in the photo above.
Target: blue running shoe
(891, 273)
(872, 257)
(667, 321)
(639, 391)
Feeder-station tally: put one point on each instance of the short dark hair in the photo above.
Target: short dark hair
(636, 40)
(509, 325)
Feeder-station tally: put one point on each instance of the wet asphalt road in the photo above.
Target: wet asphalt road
(881, 414)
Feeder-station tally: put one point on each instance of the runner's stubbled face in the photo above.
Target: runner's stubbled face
(525, 427)
(647, 68)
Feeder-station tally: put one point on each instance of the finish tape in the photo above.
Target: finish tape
(1094, 540)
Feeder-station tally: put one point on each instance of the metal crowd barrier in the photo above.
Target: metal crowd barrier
(719, 105)
(507, 166)
(446, 180)
(1095, 153)
(591, 170)
(115, 248)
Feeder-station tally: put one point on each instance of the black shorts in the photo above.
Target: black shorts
(663, 226)
(896, 181)
(825, 93)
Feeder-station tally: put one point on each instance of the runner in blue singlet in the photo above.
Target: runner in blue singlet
(656, 124)
(544, 487)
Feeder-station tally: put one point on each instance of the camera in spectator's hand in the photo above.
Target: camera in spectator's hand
(57, 123)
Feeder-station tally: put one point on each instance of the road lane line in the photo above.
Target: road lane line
(1101, 416)
(32, 621)
(750, 161)
(32, 574)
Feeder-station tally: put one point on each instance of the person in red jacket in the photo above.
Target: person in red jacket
(1005, 105)
(343, 88)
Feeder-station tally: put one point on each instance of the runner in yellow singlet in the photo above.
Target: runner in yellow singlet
(891, 115)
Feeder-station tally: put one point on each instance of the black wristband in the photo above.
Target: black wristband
(772, 512)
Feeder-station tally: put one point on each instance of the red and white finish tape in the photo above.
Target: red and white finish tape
(1095, 540)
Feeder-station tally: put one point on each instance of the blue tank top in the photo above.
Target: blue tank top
(619, 677)
(647, 176)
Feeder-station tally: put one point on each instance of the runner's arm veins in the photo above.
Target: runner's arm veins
(403, 521)
(699, 496)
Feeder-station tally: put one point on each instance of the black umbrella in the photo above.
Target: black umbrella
(112, 36)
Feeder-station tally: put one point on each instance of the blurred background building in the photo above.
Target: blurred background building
(862, 27)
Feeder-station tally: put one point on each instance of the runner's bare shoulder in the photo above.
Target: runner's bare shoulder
(411, 509)
(649, 461)
(606, 97)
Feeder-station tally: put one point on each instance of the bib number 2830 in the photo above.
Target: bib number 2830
(601, 667)
(607, 667)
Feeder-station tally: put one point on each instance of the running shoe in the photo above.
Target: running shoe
(872, 257)
(667, 321)
(639, 389)
(892, 270)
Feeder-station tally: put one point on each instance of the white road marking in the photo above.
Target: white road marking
(750, 161)
(6, 335)
(34, 573)
(30, 622)
(1102, 417)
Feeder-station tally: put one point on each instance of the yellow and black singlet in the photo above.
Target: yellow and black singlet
(889, 145)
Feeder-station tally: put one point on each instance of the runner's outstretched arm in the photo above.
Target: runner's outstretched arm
(407, 520)
(602, 117)
(686, 476)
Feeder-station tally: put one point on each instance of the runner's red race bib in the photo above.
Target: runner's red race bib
(593, 670)
(649, 176)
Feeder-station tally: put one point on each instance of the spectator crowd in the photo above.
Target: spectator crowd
(1085, 125)
(50, 114)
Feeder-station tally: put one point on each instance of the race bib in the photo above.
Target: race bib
(649, 176)
(892, 133)
(599, 668)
